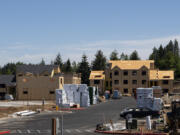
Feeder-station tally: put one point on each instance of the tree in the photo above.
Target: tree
(169, 47)
(99, 62)
(84, 69)
(58, 61)
(74, 66)
(160, 52)
(10, 68)
(114, 55)
(123, 56)
(42, 62)
(134, 56)
(176, 48)
(167, 58)
(67, 66)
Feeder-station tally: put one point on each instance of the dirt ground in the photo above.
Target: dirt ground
(6, 111)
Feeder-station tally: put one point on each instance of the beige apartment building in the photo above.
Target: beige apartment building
(128, 75)
(72, 78)
(97, 79)
(37, 82)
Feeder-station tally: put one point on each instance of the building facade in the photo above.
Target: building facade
(37, 82)
(97, 79)
(72, 78)
(128, 75)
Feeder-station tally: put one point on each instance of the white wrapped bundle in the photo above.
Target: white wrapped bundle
(61, 97)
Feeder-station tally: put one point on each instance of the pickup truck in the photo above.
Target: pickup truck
(139, 113)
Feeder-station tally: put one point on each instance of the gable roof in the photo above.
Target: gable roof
(161, 75)
(8, 80)
(131, 64)
(35, 69)
(97, 75)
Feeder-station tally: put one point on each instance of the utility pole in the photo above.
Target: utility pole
(53, 126)
(61, 123)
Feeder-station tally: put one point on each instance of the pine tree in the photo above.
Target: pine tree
(167, 58)
(169, 47)
(58, 61)
(114, 55)
(161, 51)
(134, 56)
(74, 66)
(84, 69)
(176, 48)
(42, 62)
(123, 56)
(68, 67)
(99, 62)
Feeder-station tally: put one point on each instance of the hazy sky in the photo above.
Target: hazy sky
(34, 29)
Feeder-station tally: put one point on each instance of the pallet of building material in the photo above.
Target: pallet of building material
(77, 94)
(157, 91)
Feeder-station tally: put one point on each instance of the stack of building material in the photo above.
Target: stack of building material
(93, 95)
(157, 104)
(77, 94)
(116, 94)
(145, 99)
(107, 94)
(61, 98)
(157, 91)
(84, 95)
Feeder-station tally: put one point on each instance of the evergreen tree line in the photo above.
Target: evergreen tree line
(166, 58)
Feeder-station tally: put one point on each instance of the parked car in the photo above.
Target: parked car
(139, 113)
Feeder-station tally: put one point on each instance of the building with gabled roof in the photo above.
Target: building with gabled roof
(127, 75)
(97, 79)
(37, 82)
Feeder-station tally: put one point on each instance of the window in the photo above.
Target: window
(125, 72)
(143, 72)
(143, 81)
(116, 72)
(125, 90)
(134, 72)
(25, 92)
(96, 81)
(165, 82)
(151, 83)
(107, 84)
(110, 75)
(166, 76)
(134, 81)
(61, 81)
(134, 90)
(125, 82)
(116, 81)
(97, 76)
(51, 92)
(165, 90)
(155, 83)
(2, 86)
(110, 83)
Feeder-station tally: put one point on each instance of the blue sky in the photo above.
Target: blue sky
(34, 29)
